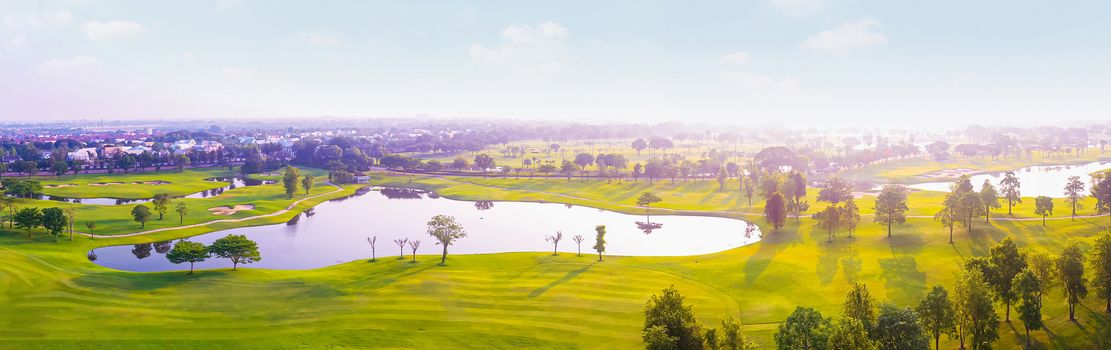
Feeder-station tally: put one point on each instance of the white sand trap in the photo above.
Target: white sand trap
(105, 183)
(159, 182)
(60, 185)
(226, 210)
(949, 173)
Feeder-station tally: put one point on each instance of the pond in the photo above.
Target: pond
(233, 183)
(1042, 180)
(337, 231)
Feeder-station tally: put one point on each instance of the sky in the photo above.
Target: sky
(803, 63)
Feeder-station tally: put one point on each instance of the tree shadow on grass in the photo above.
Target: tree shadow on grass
(770, 245)
(904, 282)
(567, 277)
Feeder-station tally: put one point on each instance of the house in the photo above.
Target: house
(83, 154)
(362, 179)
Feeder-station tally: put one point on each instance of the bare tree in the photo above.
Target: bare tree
(372, 240)
(401, 245)
(414, 244)
(555, 241)
(579, 241)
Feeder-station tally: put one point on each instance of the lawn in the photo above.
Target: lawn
(54, 298)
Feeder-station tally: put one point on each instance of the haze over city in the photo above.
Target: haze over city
(812, 62)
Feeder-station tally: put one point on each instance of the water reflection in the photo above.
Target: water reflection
(337, 231)
(162, 247)
(141, 251)
(91, 255)
(401, 193)
(483, 205)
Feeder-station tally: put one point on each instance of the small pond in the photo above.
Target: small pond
(233, 183)
(336, 231)
(1042, 180)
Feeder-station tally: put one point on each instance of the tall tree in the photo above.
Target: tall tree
(1043, 206)
(140, 213)
(1101, 269)
(835, 191)
(446, 231)
(937, 315)
(554, 240)
(236, 248)
(731, 336)
(860, 305)
(1101, 191)
(484, 162)
(1028, 289)
(373, 253)
(677, 319)
(646, 200)
(948, 214)
(306, 183)
(828, 219)
(414, 245)
(600, 240)
(891, 206)
(182, 210)
(989, 199)
(578, 242)
(1010, 188)
(899, 328)
(161, 204)
(849, 334)
(1005, 261)
(975, 313)
(639, 145)
(804, 329)
(852, 215)
(1070, 269)
(1073, 191)
(290, 179)
(187, 251)
(400, 242)
(775, 211)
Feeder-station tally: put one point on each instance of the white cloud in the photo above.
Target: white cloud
(739, 58)
(60, 67)
(317, 37)
(798, 7)
(542, 47)
(96, 30)
(849, 36)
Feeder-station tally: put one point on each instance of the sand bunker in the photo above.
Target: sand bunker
(226, 210)
(159, 182)
(105, 183)
(949, 173)
(60, 185)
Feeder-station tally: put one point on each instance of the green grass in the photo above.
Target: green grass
(54, 298)
(914, 170)
(133, 186)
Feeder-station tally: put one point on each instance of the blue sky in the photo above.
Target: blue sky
(791, 62)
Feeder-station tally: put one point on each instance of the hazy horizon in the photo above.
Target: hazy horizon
(795, 63)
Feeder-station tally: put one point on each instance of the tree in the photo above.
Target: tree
(646, 200)
(1070, 269)
(1043, 206)
(829, 219)
(182, 211)
(1101, 266)
(460, 164)
(161, 204)
(859, 305)
(54, 220)
(804, 329)
(1028, 289)
(554, 239)
(70, 212)
(579, 242)
(237, 248)
(1010, 188)
(140, 213)
(656, 338)
(1073, 191)
(721, 178)
(835, 191)
(583, 159)
(372, 240)
(748, 188)
(600, 240)
(187, 251)
(306, 183)
(899, 328)
(446, 231)
(667, 310)
(91, 225)
(936, 315)
(639, 145)
(1005, 261)
(400, 242)
(181, 161)
(414, 244)
(975, 314)
(849, 334)
(28, 219)
(891, 206)
(989, 199)
(289, 180)
(1101, 191)
(76, 167)
(484, 162)
(731, 336)
(852, 215)
(568, 168)
(775, 211)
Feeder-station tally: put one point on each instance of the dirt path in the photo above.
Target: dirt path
(280, 212)
(994, 218)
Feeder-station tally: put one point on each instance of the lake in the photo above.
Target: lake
(1042, 180)
(336, 231)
